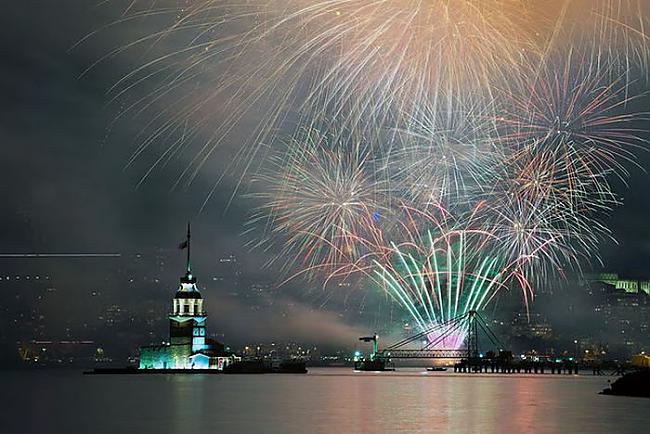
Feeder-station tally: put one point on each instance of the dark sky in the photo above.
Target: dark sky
(63, 160)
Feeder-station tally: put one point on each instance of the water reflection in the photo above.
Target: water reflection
(324, 401)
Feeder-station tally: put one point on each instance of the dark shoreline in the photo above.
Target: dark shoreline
(633, 384)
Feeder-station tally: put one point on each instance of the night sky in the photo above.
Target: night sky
(63, 170)
(63, 158)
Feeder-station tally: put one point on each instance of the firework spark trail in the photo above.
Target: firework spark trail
(365, 63)
(615, 32)
(369, 64)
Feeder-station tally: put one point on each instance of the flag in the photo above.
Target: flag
(183, 245)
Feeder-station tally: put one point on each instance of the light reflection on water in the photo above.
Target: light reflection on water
(324, 401)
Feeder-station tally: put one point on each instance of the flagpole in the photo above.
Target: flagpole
(189, 267)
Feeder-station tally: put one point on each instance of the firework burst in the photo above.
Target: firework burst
(444, 158)
(578, 116)
(443, 271)
(323, 203)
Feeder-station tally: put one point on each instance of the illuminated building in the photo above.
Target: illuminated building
(628, 285)
(188, 346)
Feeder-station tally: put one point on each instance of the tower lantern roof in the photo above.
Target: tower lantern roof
(189, 278)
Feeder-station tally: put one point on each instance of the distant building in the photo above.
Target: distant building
(630, 286)
(531, 325)
(188, 346)
(63, 352)
(622, 307)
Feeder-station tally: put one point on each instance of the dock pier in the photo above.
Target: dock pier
(483, 366)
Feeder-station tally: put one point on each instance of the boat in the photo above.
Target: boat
(256, 366)
(291, 366)
(373, 365)
(259, 366)
(436, 369)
